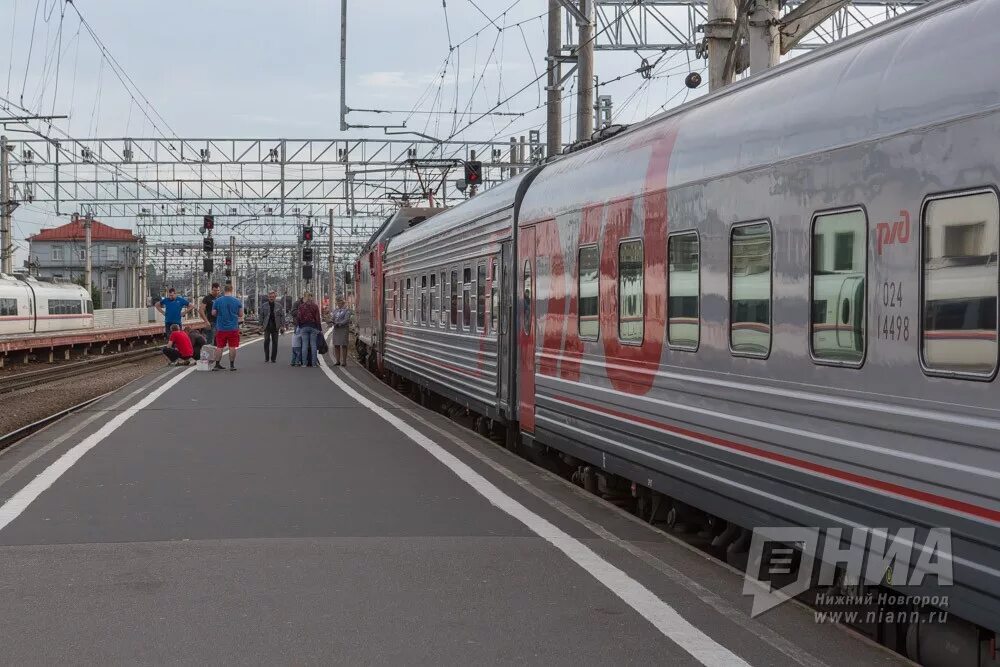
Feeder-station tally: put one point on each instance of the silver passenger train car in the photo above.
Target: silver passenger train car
(30, 306)
(782, 314)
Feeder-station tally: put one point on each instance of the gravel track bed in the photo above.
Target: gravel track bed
(29, 405)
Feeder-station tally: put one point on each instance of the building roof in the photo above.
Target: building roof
(74, 232)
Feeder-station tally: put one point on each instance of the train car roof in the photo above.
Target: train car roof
(490, 201)
(398, 222)
(887, 80)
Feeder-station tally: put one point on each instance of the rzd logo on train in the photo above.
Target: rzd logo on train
(897, 231)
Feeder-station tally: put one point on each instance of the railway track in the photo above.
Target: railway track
(64, 371)
(12, 438)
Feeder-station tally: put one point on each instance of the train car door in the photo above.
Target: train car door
(505, 312)
(526, 329)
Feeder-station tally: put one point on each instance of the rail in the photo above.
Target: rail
(62, 372)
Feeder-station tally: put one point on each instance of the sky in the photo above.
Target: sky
(270, 69)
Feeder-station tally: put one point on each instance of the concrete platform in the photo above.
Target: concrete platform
(59, 339)
(277, 516)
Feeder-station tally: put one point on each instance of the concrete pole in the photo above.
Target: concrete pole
(232, 254)
(297, 269)
(331, 277)
(513, 156)
(719, 32)
(553, 121)
(585, 74)
(88, 221)
(6, 242)
(141, 296)
(763, 36)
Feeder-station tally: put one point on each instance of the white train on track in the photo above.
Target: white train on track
(30, 306)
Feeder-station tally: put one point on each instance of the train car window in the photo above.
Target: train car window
(454, 298)
(467, 298)
(441, 298)
(65, 307)
(406, 305)
(8, 307)
(494, 296)
(90, 307)
(684, 291)
(423, 299)
(839, 287)
(750, 290)
(961, 240)
(587, 283)
(526, 316)
(630, 292)
(481, 297)
(434, 299)
(394, 299)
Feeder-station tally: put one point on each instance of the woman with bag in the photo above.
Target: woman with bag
(341, 329)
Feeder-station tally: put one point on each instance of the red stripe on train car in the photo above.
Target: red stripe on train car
(871, 482)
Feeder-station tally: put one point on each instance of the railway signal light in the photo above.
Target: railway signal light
(229, 260)
(208, 244)
(207, 265)
(229, 273)
(307, 254)
(307, 233)
(473, 172)
(307, 271)
(208, 222)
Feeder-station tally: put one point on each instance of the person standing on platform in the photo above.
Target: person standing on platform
(228, 312)
(179, 351)
(272, 321)
(341, 331)
(310, 326)
(205, 310)
(173, 308)
(296, 333)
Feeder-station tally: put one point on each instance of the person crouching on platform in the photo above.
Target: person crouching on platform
(179, 350)
(197, 342)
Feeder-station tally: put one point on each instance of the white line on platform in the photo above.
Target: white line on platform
(664, 617)
(775, 639)
(20, 501)
(23, 498)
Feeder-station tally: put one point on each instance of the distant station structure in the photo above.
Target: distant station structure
(61, 254)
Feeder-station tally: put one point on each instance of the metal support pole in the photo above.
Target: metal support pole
(6, 242)
(763, 36)
(553, 121)
(513, 155)
(718, 33)
(88, 222)
(343, 66)
(585, 74)
(329, 264)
